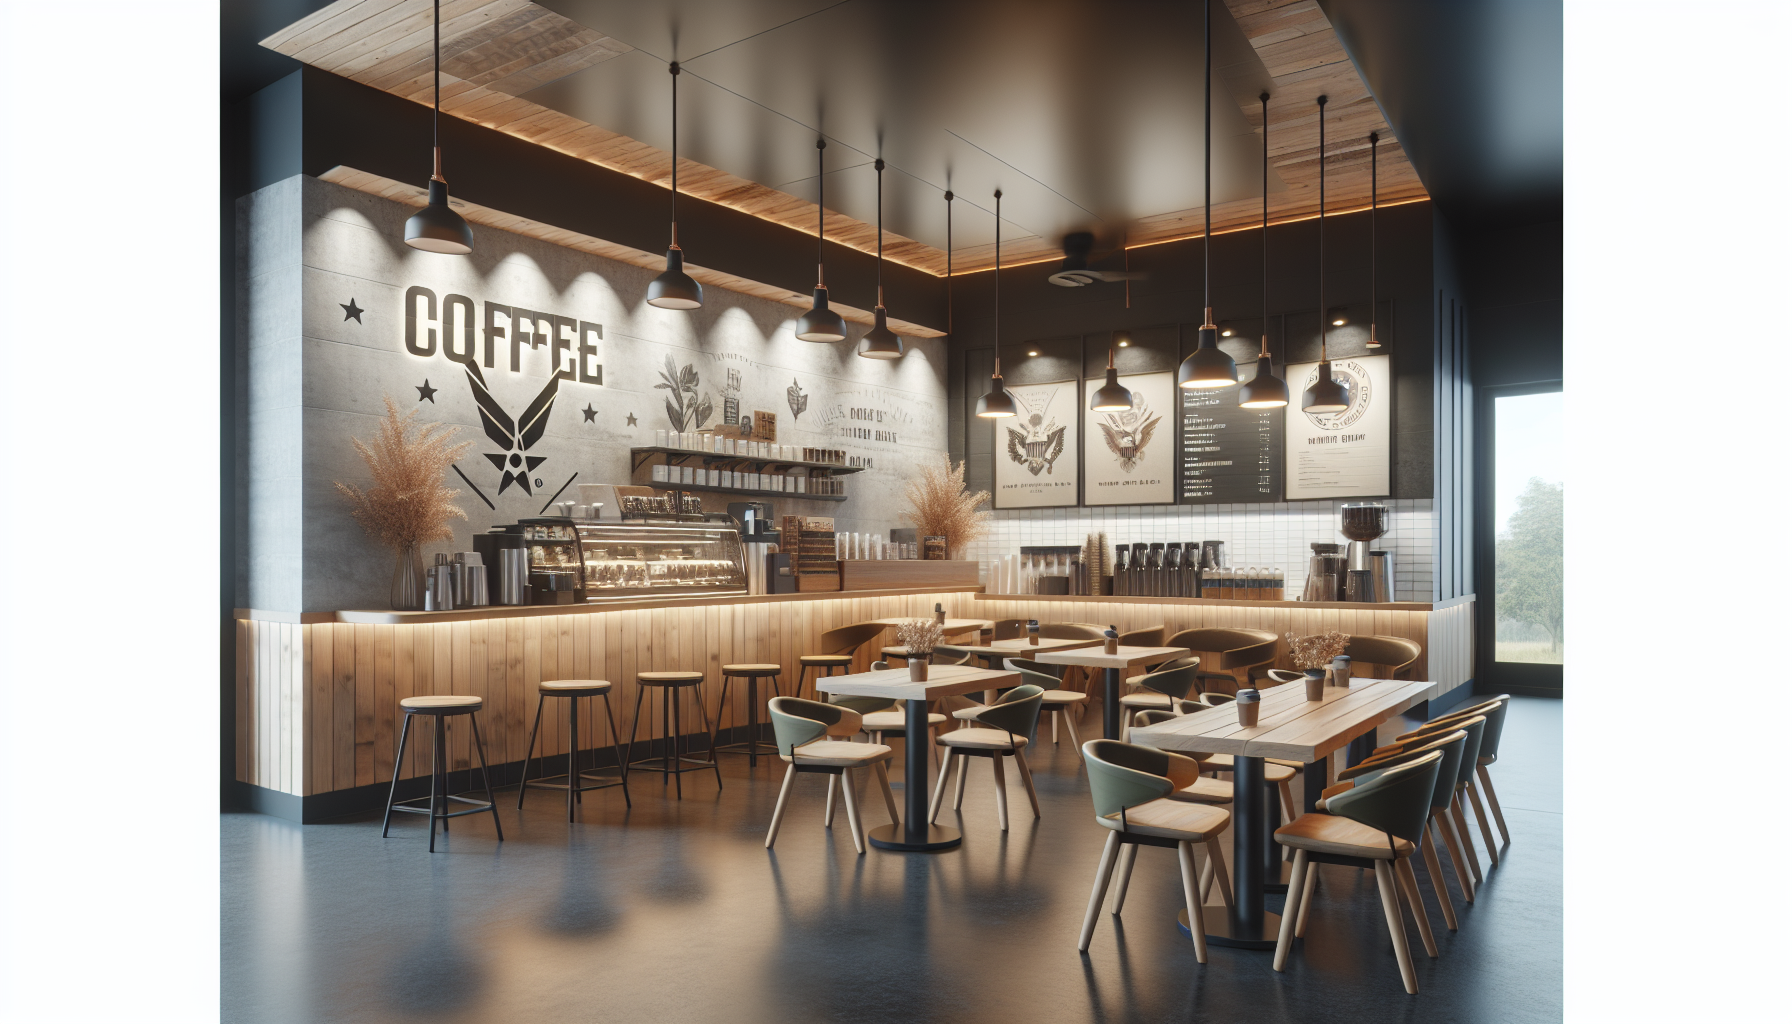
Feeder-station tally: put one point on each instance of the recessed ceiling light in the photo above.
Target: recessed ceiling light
(1225, 334)
(1031, 352)
(1338, 322)
(1125, 343)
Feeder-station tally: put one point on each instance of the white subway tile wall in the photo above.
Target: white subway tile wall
(1263, 535)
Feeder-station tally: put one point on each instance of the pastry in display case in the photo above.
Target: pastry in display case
(660, 559)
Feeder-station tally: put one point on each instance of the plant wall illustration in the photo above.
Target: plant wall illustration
(686, 407)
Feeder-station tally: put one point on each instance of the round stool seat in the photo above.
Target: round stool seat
(573, 687)
(442, 704)
(669, 678)
(752, 670)
(825, 659)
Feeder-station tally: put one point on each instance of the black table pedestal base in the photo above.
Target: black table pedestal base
(1224, 930)
(895, 837)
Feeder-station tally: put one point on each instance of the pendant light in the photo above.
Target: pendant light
(1111, 396)
(1374, 187)
(674, 289)
(820, 324)
(998, 403)
(1326, 395)
(1208, 366)
(880, 341)
(1265, 390)
(436, 227)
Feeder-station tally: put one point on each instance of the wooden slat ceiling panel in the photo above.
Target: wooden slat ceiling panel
(493, 50)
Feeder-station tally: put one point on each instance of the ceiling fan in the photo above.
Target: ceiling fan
(1075, 272)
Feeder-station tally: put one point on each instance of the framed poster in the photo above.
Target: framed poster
(1129, 458)
(1229, 454)
(1346, 454)
(1035, 450)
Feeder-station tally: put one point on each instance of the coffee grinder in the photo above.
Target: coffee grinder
(1363, 523)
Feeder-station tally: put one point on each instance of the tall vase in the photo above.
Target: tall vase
(407, 580)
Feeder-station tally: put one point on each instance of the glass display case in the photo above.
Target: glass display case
(633, 560)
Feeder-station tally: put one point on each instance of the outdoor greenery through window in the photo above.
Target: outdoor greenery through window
(1527, 447)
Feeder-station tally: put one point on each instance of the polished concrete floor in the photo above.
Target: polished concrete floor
(676, 912)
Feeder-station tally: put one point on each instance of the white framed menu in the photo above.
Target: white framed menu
(1035, 450)
(1345, 454)
(1129, 458)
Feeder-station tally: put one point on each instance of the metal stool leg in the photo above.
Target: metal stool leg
(616, 747)
(572, 755)
(491, 799)
(703, 709)
(404, 734)
(435, 778)
(628, 758)
(677, 759)
(523, 787)
(753, 720)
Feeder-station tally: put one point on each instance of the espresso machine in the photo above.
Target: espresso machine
(1363, 523)
(756, 532)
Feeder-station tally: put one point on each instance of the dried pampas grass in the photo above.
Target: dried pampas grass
(407, 503)
(1318, 650)
(920, 636)
(939, 507)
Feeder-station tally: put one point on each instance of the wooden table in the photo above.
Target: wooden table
(915, 833)
(994, 652)
(1113, 664)
(954, 627)
(1288, 726)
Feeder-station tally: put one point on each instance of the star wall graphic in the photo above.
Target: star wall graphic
(631, 419)
(426, 392)
(350, 311)
(590, 413)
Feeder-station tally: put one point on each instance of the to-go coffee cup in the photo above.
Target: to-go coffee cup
(1341, 670)
(1248, 703)
(1110, 643)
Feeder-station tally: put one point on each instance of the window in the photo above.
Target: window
(1527, 528)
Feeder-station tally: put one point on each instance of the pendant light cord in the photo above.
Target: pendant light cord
(880, 230)
(1264, 99)
(435, 119)
(1207, 172)
(821, 214)
(674, 70)
(949, 198)
(1374, 190)
(1322, 312)
(998, 316)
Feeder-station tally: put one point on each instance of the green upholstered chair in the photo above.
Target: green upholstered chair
(1134, 789)
(1494, 710)
(879, 715)
(817, 738)
(1059, 702)
(1453, 746)
(1228, 656)
(1160, 689)
(952, 654)
(999, 730)
(1475, 724)
(838, 646)
(1378, 823)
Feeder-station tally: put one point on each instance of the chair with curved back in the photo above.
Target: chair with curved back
(1008, 629)
(1058, 702)
(879, 715)
(1467, 790)
(816, 737)
(1159, 689)
(1454, 822)
(1395, 654)
(1452, 745)
(1227, 655)
(1494, 710)
(1378, 823)
(1133, 790)
(1000, 730)
(838, 647)
(1277, 773)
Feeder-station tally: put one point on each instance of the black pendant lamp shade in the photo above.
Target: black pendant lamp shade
(436, 227)
(820, 324)
(1111, 396)
(1326, 396)
(674, 289)
(998, 403)
(1265, 390)
(1208, 366)
(880, 341)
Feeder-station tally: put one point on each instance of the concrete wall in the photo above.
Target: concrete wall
(315, 377)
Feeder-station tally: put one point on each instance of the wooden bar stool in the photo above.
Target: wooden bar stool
(440, 708)
(752, 673)
(575, 787)
(673, 762)
(837, 649)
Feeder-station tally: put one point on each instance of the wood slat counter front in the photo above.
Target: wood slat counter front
(317, 693)
(1444, 630)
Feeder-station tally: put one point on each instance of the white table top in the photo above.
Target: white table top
(1093, 657)
(1288, 725)
(953, 626)
(942, 681)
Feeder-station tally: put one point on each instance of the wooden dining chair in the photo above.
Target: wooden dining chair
(837, 649)
(1395, 654)
(1227, 655)
(1161, 690)
(1001, 730)
(1494, 710)
(1475, 726)
(1377, 824)
(815, 737)
(1276, 772)
(1133, 790)
(1203, 789)
(1059, 703)
(1453, 746)
(879, 715)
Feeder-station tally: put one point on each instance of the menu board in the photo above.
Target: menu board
(1346, 454)
(1229, 454)
(1129, 458)
(1036, 450)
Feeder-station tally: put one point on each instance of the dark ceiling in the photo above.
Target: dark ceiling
(244, 65)
(1473, 89)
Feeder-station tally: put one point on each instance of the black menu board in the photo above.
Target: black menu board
(1229, 454)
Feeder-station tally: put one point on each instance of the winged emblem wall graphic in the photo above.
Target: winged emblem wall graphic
(1037, 444)
(517, 435)
(1127, 434)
